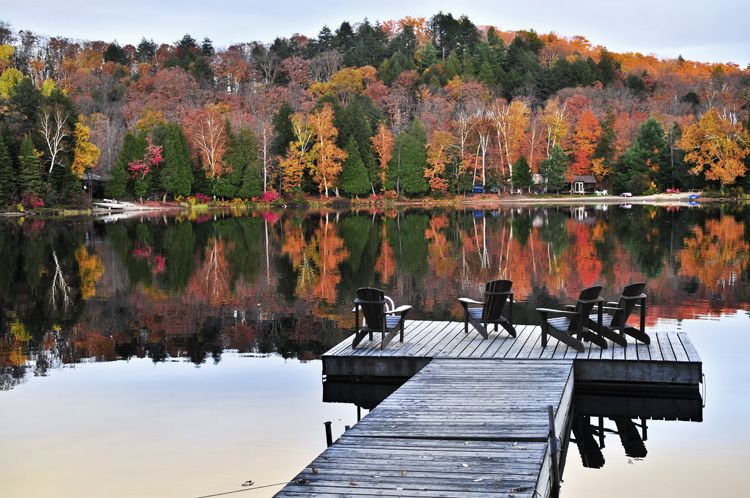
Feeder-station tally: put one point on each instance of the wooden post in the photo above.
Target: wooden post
(329, 436)
(554, 454)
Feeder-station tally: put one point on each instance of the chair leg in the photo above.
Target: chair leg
(544, 334)
(595, 338)
(480, 328)
(508, 326)
(566, 338)
(638, 335)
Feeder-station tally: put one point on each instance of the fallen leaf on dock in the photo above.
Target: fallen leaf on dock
(315, 471)
(248, 483)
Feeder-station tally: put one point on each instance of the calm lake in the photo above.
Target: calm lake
(179, 356)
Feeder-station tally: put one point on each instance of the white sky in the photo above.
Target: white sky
(717, 30)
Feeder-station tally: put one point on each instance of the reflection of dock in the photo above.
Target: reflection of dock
(473, 420)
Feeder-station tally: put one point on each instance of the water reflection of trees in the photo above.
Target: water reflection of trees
(170, 287)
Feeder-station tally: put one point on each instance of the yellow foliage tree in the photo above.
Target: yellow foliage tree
(438, 155)
(48, 86)
(6, 52)
(10, 78)
(300, 154)
(717, 145)
(86, 154)
(329, 156)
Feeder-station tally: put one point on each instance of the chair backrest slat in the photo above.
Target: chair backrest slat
(586, 301)
(495, 297)
(627, 305)
(372, 302)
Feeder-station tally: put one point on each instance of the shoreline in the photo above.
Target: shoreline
(482, 200)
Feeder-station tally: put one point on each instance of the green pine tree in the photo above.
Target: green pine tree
(553, 169)
(406, 169)
(632, 173)
(29, 169)
(7, 175)
(653, 141)
(522, 176)
(354, 179)
(133, 149)
(176, 173)
(242, 156)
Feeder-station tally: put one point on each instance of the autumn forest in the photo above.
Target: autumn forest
(412, 107)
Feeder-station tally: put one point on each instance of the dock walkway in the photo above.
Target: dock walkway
(457, 428)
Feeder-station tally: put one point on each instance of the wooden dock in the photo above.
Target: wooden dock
(669, 359)
(472, 420)
(457, 428)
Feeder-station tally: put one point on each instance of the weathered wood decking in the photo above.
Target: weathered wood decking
(669, 359)
(457, 428)
(472, 420)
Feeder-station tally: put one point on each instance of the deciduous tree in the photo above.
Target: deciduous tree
(716, 146)
(329, 158)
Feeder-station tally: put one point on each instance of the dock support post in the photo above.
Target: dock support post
(554, 454)
(329, 436)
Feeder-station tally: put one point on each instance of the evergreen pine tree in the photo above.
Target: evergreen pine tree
(354, 179)
(653, 142)
(406, 169)
(242, 156)
(7, 175)
(632, 173)
(553, 169)
(29, 169)
(522, 176)
(176, 173)
(133, 149)
(282, 125)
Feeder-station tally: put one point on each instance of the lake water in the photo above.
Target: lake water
(178, 356)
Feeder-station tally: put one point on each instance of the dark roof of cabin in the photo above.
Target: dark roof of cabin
(584, 178)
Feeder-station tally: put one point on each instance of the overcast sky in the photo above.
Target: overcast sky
(713, 30)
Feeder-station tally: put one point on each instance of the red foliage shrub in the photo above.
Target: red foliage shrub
(31, 201)
(270, 196)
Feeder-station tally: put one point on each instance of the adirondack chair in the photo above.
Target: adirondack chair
(573, 320)
(482, 313)
(379, 316)
(617, 314)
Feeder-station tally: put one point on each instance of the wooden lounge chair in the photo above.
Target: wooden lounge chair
(379, 316)
(573, 320)
(617, 314)
(483, 313)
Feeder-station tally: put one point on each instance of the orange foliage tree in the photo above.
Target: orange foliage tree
(717, 145)
(584, 142)
(382, 143)
(438, 155)
(329, 156)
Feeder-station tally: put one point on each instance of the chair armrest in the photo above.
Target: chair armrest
(570, 307)
(551, 311)
(633, 298)
(612, 303)
(399, 310)
(589, 301)
(612, 308)
(469, 301)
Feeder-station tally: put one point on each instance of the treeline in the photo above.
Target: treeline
(408, 107)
